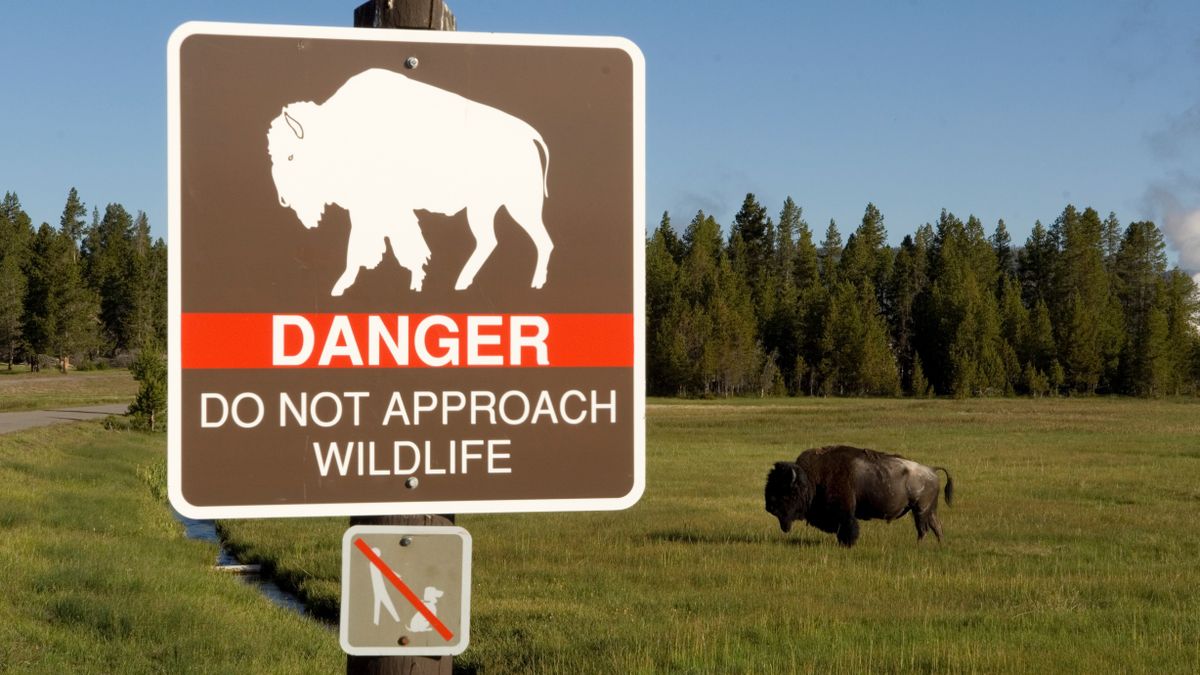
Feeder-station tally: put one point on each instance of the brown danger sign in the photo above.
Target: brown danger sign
(405, 590)
(406, 272)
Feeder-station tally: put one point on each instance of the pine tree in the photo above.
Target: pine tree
(982, 255)
(809, 313)
(698, 279)
(664, 345)
(806, 272)
(867, 257)
(1035, 381)
(1089, 330)
(841, 343)
(12, 213)
(12, 304)
(1140, 263)
(877, 373)
(920, 387)
(751, 244)
(150, 404)
(1041, 348)
(141, 317)
(1006, 261)
(1180, 306)
(830, 255)
(780, 330)
(15, 239)
(717, 319)
(157, 283)
(72, 222)
(754, 228)
(787, 232)
(671, 240)
(113, 271)
(858, 359)
(1056, 377)
(1111, 238)
(1014, 331)
(959, 314)
(740, 353)
(1080, 346)
(1035, 265)
(909, 280)
(60, 311)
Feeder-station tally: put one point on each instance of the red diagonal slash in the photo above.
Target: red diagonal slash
(405, 590)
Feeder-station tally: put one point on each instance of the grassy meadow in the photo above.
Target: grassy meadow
(98, 577)
(23, 390)
(1072, 547)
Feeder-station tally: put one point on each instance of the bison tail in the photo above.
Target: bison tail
(949, 485)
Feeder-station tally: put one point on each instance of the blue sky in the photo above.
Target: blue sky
(1003, 110)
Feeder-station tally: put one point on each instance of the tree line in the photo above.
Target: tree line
(1085, 306)
(87, 291)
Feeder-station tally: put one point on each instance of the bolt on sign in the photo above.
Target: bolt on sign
(405, 590)
(407, 272)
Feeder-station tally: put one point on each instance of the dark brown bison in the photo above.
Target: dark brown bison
(836, 486)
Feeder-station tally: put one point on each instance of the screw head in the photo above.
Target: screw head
(412, 482)
(403, 640)
(406, 541)
(411, 62)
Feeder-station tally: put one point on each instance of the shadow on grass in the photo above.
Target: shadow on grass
(708, 538)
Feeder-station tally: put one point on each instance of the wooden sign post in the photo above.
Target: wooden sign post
(431, 15)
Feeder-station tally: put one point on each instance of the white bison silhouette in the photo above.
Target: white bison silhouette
(448, 153)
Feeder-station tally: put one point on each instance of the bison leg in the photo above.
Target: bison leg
(927, 520)
(409, 247)
(364, 249)
(847, 532)
(482, 221)
(529, 216)
(936, 525)
(920, 522)
(345, 281)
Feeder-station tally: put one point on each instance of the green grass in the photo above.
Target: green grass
(1072, 547)
(50, 389)
(98, 578)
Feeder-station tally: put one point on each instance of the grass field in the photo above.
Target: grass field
(50, 388)
(98, 578)
(1072, 547)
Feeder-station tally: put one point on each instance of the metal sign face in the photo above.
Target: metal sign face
(405, 590)
(407, 272)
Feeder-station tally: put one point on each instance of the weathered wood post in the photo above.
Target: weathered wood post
(420, 14)
(427, 15)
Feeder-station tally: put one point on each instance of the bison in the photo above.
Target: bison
(834, 487)
(448, 154)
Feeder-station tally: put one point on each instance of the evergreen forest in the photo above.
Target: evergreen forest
(88, 293)
(1085, 306)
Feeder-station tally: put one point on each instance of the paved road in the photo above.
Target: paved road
(16, 421)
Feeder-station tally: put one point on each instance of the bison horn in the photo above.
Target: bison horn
(297, 128)
(795, 476)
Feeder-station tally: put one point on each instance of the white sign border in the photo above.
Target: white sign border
(174, 294)
(348, 550)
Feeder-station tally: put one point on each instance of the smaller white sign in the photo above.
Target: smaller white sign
(406, 590)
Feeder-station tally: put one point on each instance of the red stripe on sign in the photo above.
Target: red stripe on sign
(407, 340)
(405, 590)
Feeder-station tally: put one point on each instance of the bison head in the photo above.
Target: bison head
(788, 493)
(296, 161)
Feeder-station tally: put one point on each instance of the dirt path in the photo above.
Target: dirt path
(16, 421)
